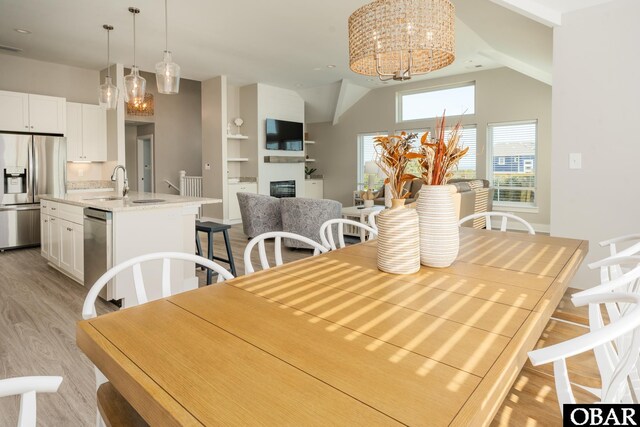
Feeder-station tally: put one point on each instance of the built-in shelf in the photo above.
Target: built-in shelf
(237, 137)
(310, 160)
(309, 142)
(237, 159)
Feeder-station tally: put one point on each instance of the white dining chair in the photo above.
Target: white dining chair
(371, 219)
(277, 236)
(615, 369)
(613, 245)
(27, 387)
(614, 280)
(326, 232)
(503, 224)
(89, 307)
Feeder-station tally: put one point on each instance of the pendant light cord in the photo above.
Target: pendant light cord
(108, 49)
(134, 39)
(166, 27)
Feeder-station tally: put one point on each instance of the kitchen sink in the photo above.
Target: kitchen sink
(149, 201)
(103, 199)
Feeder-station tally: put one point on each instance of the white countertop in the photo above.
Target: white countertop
(125, 204)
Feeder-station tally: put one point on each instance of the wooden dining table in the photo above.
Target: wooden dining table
(331, 340)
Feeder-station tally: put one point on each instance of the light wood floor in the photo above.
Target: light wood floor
(39, 308)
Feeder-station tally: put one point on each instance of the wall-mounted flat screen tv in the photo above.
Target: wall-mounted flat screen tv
(283, 135)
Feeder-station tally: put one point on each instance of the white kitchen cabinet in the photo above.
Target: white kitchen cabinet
(234, 189)
(86, 133)
(314, 189)
(45, 240)
(72, 248)
(23, 112)
(14, 111)
(54, 240)
(47, 114)
(62, 237)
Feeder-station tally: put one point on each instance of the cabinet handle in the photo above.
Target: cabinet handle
(26, 127)
(53, 219)
(69, 229)
(53, 209)
(31, 127)
(46, 221)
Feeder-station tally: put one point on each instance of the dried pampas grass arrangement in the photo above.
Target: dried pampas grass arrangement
(439, 158)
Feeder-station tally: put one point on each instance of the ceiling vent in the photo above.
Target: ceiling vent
(10, 48)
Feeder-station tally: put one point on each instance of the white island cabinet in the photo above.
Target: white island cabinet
(140, 224)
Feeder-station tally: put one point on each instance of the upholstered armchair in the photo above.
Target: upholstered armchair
(260, 214)
(305, 216)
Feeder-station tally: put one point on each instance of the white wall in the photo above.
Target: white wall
(502, 95)
(595, 102)
(280, 104)
(214, 144)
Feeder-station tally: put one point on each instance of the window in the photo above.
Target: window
(513, 163)
(427, 104)
(366, 153)
(467, 165)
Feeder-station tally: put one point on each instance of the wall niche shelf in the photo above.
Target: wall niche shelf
(309, 142)
(310, 160)
(237, 137)
(237, 159)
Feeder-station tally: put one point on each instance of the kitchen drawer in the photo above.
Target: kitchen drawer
(47, 207)
(71, 213)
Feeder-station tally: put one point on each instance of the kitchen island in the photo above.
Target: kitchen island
(85, 234)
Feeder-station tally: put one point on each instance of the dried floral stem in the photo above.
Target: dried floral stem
(440, 158)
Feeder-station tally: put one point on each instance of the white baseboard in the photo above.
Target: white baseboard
(516, 226)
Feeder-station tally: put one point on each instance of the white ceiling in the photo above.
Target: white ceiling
(287, 43)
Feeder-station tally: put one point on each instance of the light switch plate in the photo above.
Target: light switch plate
(575, 161)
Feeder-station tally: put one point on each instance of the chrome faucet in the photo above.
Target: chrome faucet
(114, 177)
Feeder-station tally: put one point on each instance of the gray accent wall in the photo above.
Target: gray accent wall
(502, 95)
(20, 74)
(178, 132)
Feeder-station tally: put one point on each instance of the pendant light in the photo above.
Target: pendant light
(134, 84)
(108, 93)
(397, 39)
(167, 71)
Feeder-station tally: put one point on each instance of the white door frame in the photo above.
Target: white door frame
(140, 157)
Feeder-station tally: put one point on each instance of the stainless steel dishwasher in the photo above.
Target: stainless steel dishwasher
(98, 247)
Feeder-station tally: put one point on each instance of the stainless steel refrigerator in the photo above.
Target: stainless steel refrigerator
(31, 165)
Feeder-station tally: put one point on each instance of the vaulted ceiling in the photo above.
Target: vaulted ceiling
(287, 43)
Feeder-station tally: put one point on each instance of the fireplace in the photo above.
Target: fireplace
(283, 189)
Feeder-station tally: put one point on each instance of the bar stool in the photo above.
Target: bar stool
(210, 228)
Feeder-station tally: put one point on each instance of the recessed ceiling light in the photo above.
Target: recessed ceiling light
(331, 66)
(479, 66)
(21, 31)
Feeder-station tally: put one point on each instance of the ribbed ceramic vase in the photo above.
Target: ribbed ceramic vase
(398, 240)
(439, 233)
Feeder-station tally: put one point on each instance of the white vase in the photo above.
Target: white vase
(439, 230)
(398, 240)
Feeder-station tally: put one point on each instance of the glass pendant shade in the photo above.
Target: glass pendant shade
(135, 86)
(168, 75)
(108, 94)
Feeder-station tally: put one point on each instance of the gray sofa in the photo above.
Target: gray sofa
(475, 196)
(261, 214)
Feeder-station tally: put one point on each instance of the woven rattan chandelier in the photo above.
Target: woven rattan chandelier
(396, 39)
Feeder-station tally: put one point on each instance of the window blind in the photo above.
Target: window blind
(513, 162)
